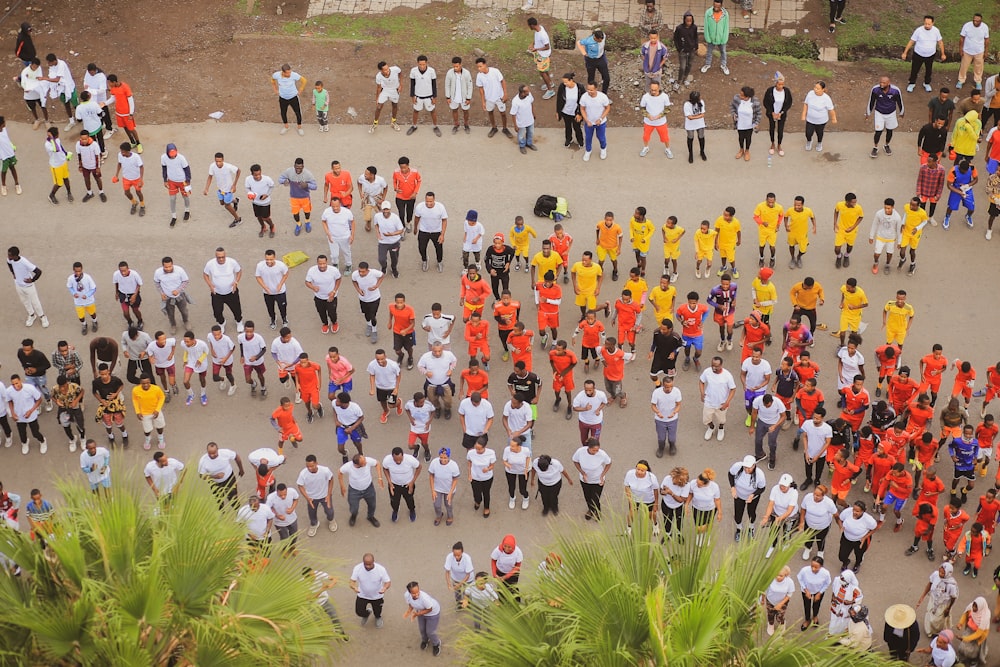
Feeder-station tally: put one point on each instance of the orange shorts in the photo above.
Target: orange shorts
(127, 122)
(724, 320)
(175, 188)
(841, 492)
(128, 184)
(548, 321)
(477, 348)
(661, 132)
(309, 396)
(561, 382)
(526, 358)
(953, 431)
(467, 311)
(626, 335)
(300, 205)
(291, 434)
(963, 389)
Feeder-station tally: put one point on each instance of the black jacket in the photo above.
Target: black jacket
(561, 99)
(686, 38)
(769, 102)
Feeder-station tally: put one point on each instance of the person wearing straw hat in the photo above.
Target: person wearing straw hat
(941, 651)
(902, 632)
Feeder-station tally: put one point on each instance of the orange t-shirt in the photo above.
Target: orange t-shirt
(919, 416)
(985, 434)
(805, 372)
(341, 186)
(628, 313)
(523, 343)
(406, 186)
(474, 293)
(476, 382)
(308, 377)
(691, 321)
(607, 237)
(562, 361)
(402, 319)
(809, 402)
(561, 245)
(121, 94)
(614, 364)
(931, 364)
(842, 475)
(962, 378)
(883, 361)
(545, 293)
(507, 314)
(285, 419)
(473, 330)
(591, 332)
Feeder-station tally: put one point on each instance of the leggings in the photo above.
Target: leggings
(672, 516)
(283, 104)
(819, 539)
(745, 137)
(811, 606)
(751, 508)
(423, 238)
(818, 129)
(481, 492)
(501, 278)
(837, 9)
(572, 127)
(520, 480)
(777, 124)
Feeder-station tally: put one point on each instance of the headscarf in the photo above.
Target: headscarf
(947, 635)
(949, 569)
(508, 541)
(859, 614)
(850, 583)
(778, 76)
(981, 617)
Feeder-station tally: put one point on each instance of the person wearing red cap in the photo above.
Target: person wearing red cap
(765, 294)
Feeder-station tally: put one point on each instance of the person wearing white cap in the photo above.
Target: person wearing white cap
(390, 232)
(782, 508)
(747, 485)
(902, 632)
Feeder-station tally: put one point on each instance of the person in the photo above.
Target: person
(614, 357)
(692, 317)
(962, 177)
(505, 564)
(966, 136)
(642, 492)
(443, 476)
(258, 519)
(717, 389)
(68, 397)
(925, 41)
(25, 273)
(283, 502)
(776, 599)
(686, 45)
(517, 462)
(338, 225)
(482, 461)
(321, 102)
(215, 467)
(782, 510)
(315, 485)
(493, 95)
(90, 114)
(361, 480)
(427, 612)
(844, 594)
(562, 243)
(480, 596)
(746, 111)
(402, 322)
(902, 631)
(975, 621)
(24, 45)
(385, 378)
(324, 280)
(777, 102)
(8, 160)
(349, 419)
(694, 123)
(135, 344)
(974, 545)
(474, 411)
(423, 93)
(458, 90)
(594, 108)
(271, 274)
(171, 281)
(550, 474)
(366, 282)
(430, 225)
(819, 511)
(58, 165)
(595, 59)
(124, 109)
(420, 413)
(563, 360)
(95, 82)
(390, 232)
(369, 581)
(593, 333)
(942, 590)
(797, 221)
(990, 100)
(300, 182)
(41, 517)
(859, 630)
(654, 108)
(401, 472)
(817, 111)
(226, 176)
(406, 184)
(437, 366)
(706, 502)
(653, 54)
(716, 31)
(61, 86)
(520, 238)
(931, 141)
(541, 50)
(338, 183)
(518, 418)
(651, 18)
(593, 464)
(147, 400)
(163, 474)
(82, 288)
(884, 102)
(524, 119)
(587, 280)
(993, 193)
(722, 297)
(387, 87)
(35, 365)
(568, 109)
(747, 485)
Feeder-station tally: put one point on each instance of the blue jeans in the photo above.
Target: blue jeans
(722, 54)
(525, 135)
(40, 383)
(588, 135)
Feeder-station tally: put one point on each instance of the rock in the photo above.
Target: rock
(479, 52)
(278, 11)
(352, 112)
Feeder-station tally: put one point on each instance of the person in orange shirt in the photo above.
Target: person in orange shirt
(867, 442)
(124, 109)
(931, 488)
(887, 356)
(406, 184)
(549, 298)
(283, 421)
(627, 313)
(520, 341)
(896, 441)
(308, 376)
(927, 516)
(932, 367)
(953, 519)
(986, 432)
(614, 370)
(477, 333)
(506, 312)
(856, 402)
(840, 483)
(974, 545)
(992, 388)
(988, 511)
(893, 493)
(561, 243)
(692, 316)
(265, 481)
(925, 448)
(609, 242)
(881, 465)
(402, 321)
(473, 379)
(593, 332)
(902, 389)
(473, 292)
(563, 360)
(807, 399)
(965, 380)
(338, 183)
(756, 333)
(805, 367)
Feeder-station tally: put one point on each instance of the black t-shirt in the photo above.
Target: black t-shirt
(528, 385)
(35, 359)
(663, 346)
(106, 390)
(496, 261)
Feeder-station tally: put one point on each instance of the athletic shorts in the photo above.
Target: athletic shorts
(586, 300)
(605, 253)
(800, 240)
(543, 63)
(343, 436)
(559, 383)
(60, 174)
(225, 197)
(455, 105)
(850, 320)
(697, 341)
(661, 131)
(704, 254)
(411, 438)
(333, 387)
(496, 104)
(388, 96)
(292, 433)
(310, 396)
(385, 395)
(127, 122)
(300, 205)
(261, 212)
(897, 336)
(956, 201)
(424, 104)
(170, 371)
(481, 347)
(724, 320)
(548, 321)
(89, 310)
(965, 474)
(176, 188)
(911, 239)
(72, 100)
(124, 299)
(882, 244)
(885, 121)
(728, 252)
(842, 238)
(671, 251)
(893, 502)
(8, 163)
(149, 422)
(128, 184)
(984, 453)
(768, 237)
(217, 369)
(113, 418)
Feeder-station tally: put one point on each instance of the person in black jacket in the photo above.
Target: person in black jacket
(686, 43)
(568, 108)
(496, 262)
(777, 102)
(902, 631)
(24, 46)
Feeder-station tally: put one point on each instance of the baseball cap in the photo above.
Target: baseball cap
(386, 205)
(749, 461)
(498, 235)
(472, 215)
(785, 480)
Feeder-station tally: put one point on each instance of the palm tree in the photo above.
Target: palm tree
(619, 599)
(125, 582)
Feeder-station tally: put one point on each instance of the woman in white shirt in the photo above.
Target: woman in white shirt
(850, 362)
(568, 108)
(746, 112)
(481, 462)
(694, 123)
(642, 488)
(817, 111)
(443, 474)
(776, 598)
(705, 499)
(777, 102)
(782, 509)
(675, 494)
(814, 580)
(550, 473)
(818, 511)
(517, 463)
(505, 564)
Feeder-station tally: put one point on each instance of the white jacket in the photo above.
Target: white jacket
(451, 80)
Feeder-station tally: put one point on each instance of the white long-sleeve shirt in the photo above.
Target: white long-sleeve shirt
(886, 227)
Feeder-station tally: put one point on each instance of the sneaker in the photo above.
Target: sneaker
(454, 130)
(888, 151)
(86, 198)
(524, 503)
(333, 526)
(644, 152)
(53, 200)
(586, 158)
(910, 87)
(510, 505)
(395, 126)
(104, 198)
(725, 70)
(670, 154)
(720, 433)
(507, 133)
(705, 68)
(874, 152)
(189, 400)
(721, 346)
(770, 551)
(806, 553)
(204, 399)
(847, 261)
(384, 418)
(989, 234)
(946, 223)
(413, 128)
(604, 153)
(819, 147)
(708, 432)
(325, 329)
(839, 261)
(549, 95)
(927, 87)
(31, 320)
(809, 145)
(17, 189)
(302, 132)
(697, 273)
(24, 448)
(736, 276)
(236, 223)
(440, 269)
(729, 345)
(85, 329)
(142, 211)
(132, 209)
(968, 220)
(379, 622)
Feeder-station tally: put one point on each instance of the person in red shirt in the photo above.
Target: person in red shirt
(473, 292)
(506, 312)
(338, 183)
(988, 511)
(887, 356)
(902, 388)
(308, 376)
(807, 399)
(867, 442)
(805, 367)
(975, 545)
(919, 414)
(881, 464)
(856, 402)
(992, 388)
(692, 318)
(627, 314)
(756, 333)
(953, 520)
(896, 440)
(124, 109)
(843, 472)
(563, 360)
(473, 379)
(986, 431)
(520, 344)
(965, 380)
(930, 489)
(406, 184)
(477, 333)
(614, 370)
(593, 332)
(893, 493)
(283, 421)
(561, 243)
(549, 298)
(927, 516)
(925, 448)
(265, 481)
(402, 321)
(932, 368)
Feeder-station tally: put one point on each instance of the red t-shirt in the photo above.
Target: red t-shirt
(591, 333)
(614, 364)
(406, 186)
(341, 186)
(805, 372)
(476, 382)
(562, 361)
(402, 319)
(691, 320)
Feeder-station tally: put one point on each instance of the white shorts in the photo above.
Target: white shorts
(388, 96)
(148, 423)
(984, 453)
(459, 104)
(424, 104)
(888, 246)
(885, 121)
(496, 104)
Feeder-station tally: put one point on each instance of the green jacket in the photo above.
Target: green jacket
(716, 32)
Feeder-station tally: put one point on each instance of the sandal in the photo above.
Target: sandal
(437, 521)
(449, 521)
(623, 401)
(821, 327)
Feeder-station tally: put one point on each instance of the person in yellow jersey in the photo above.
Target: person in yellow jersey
(797, 221)
(730, 236)
(587, 278)
(765, 294)
(661, 297)
(897, 316)
(853, 301)
(914, 220)
(638, 286)
(640, 233)
(704, 248)
(672, 233)
(847, 216)
(520, 238)
(609, 242)
(544, 261)
(767, 215)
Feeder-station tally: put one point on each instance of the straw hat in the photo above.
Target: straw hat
(900, 616)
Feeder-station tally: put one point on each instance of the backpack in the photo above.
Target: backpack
(544, 205)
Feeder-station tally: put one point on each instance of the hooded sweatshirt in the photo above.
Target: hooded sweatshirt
(174, 167)
(966, 134)
(716, 32)
(686, 35)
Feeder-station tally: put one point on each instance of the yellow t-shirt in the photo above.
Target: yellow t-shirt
(798, 221)
(855, 298)
(769, 216)
(849, 215)
(640, 233)
(608, 236)
(550, 263)
(913, 219)
(672, 236)
(586, 276)
(705, 243)
(727, 231)
(662, 301)
(762, 293)
(896, 317)
(638, 288)
(521, 239)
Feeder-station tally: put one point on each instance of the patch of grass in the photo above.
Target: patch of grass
(799, 47)
(562, 36)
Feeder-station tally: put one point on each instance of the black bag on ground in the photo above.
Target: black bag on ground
(544, 205)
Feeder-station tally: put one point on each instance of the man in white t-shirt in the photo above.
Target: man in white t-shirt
(654, 118)
(973, 43)
(61, 82)
(253, 350)
(131, 170)
(88, 154)
(25, 274)
(818, 436)
(367, 282)
(925, 42)
(755, 375)
(589, 406)
(90, 113)
(271, 274)
(177, 180)
(430, 224)
(386, 90)
(215, 467)
(370, 581)
(283, 501)
(437, 367)
(390, 231)
(372, 189)
(438, 327)
(384, 375)
(402, 471)
(222, 275)
(258, 520)
(765, 421)
(226, 177)
(524, 119)
(594, 108)
(666, 406)
(541, 48)
(717, 390)
(161, 474)
(171, 281)
(492, 94)
(259, 188)
(324, 280)
(476, 415)
(423, 93)
(338, 223)
(362, 472)
(315, 485)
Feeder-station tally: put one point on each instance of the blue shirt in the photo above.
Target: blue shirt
(722, 300)
(965, 452)
(287, 85)
(594, 48)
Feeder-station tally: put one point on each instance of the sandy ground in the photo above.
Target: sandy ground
(491, 176)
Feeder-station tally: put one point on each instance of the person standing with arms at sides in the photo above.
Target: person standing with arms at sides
(973, 44)
(524, 119)
(226, 176)
(672, 233)
(663, 351)
(147, 401)
(594, 108)
(390, 232)
(177, 180)
(686, 45)
(717, 388)
(338, 225)
(932, 140)
(287, 86)
(609, 243)
(653, 54)
(595, 59)
(369, 581)
(925, 41)
(337, 183)
(497, 261)
(520, 237)
(694, 123)
(402, 321)
(386, 90)
(914, 220)
(58, 165)
(134, 346)
(438, 327)
(768, 216)
(8, 160)
(271, 274)
(131, 169)
(666, 406)
(472, 238)
(431, 224)
(259, 188)
(930, 183)
(253, 349)
(593, 464)
(746, 484)
(716, 31)
(222, 349)
(385, 376)
(797, 221)
(443, 474)
(722, 300)
(82, 288)
(222, 275)
(423, 93)
(493, 95)
(324, 280)
(568, 109)
(549, 296)
(406, 186)
(777, 102)
(765, 296)
(300, 182)
(124, 109)
(541, 49)
(704, 246)
(654, 117)
(885, 233)
(885, 100)
(746, 110)
(847, 217)
(401, 471)
(24, 45)
(321, 102)
(458, 90)
(726, 241)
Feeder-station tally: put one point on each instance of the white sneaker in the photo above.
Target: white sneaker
(31, 320)
(239, 327)
(604, 153)
(989, 234)
(820, 554)
(770, 550)
(673, 277)
(705, 68)
(510, 505)
(44, 447)
(806, 553)
(232, 390)
(48, 405)
(721, 346)
(72, 445)
(333, 526)
(725, 70)
(69, 125)
(720, 434)
(45, 322)
(819, 147)
(729, 345)
(222, 386)
(644, 152)
(524, 504)
(697, 274)
(8, 442)
(670, 154)
(586, 156)
(809, 145)
(770, 629)
(312, 531)
(24, 448)
(298, 397)
(708, 433)
(284, 130)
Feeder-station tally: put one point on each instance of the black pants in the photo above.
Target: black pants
(810, 315)
(5, 425)
(817, 129)
(673, 517)
(232, 300)
(595, 65)
(226, 491)
(819, 539)
(401, 492)
(550, 496)
(405, 208)
(519, 481)
(361, 607)
(327, 310)
(106, 117)
(369, 309)
(388, 254)
(572, 127)
(745, 138)
(918, 62)
(402, 342)
(281, 300)
(75, 417)
(987, 113)
(284, 104)
(22, 431)
(502, 278)
(837, 9)
(811, 606)
(776, 125)
(684, 68)
(137, 367)
(481, 492)
(504, 335)
(847, 548)
(751, 508)
(423, 238)
(592, 494)
(814, 470)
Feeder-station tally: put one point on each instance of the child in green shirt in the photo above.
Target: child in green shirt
(321, 100)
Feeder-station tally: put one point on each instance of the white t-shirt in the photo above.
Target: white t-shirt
(506, 561)
(779, 100)
(385, 376)
(768, 414)
(591, 465)
(472, 236)
(83, 290)
(225, 176)
(431, 219)
(850, 366)
(517, 461)
(479, 461)
(592, 405)
(161, 355)
(550, 476)
(642, 488)
(744, 114)
(165, 478)
(100, 459)
(717, 386)
(385, 226)
(272, 275)
(325, 281)
(757, 374)
(423, 601)
(210, 467)
(925, 41)
(703, 497)
(196, 356)
(594, 106)
(517, 418)
(489, 81)
(975, 38)
(819, 515)
(273, 458)
(90, 113)
(540, 40)
(283, 506)
(90, 154)
(361, 478)
(223, 276)
(476, 416)
(131, 166)
(348, 415)
(339, 222)
(372, 190)
(779, 590)
(422, 86)
(251, 348)
(315, 484)
(97, 85)
(695, 123)
(401, 473)
(443, 474)
(220, 348)
(66, 83)
(814, 582)
(23, 268)
(438, 367)
(23, 401)
(783, 500)
(520, 110)
(286, 353)
(816, 436)
(261, 189)
(669, 500)
(421, 416)
(390, 82)
(855, 529)
(655, 105)
(572, 97)
(370, 582)
(460, 570)
(666, 402)
(126, 284)
(818, 108)
(747, 483)
(438, 328)
(169, 282)
(365, 283)
(175, 167)
(256, 522)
